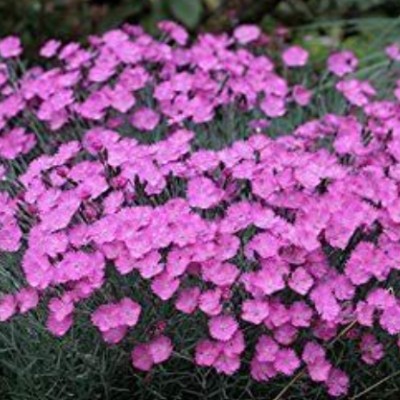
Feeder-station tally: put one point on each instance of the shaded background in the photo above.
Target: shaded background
(352, 23)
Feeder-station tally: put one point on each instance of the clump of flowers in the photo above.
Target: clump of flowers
(240, 235)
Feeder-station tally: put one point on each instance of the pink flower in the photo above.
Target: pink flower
(235, 346)
(325, 303)
(10, 47)
(222, 327)
(141, 357)
(245, 34)
(371, 349)
(108, 317)
(8, 307)
(10, 234)
(337, 383)
(286, 361)
(301, 314)
(295, 56)
(342, 63)
(356, 92)
(50, 48)
(160, 349)
(312, 353)
(188, 300)
(129, 312)
(381, 299)
(59, 327)
(255, 311)
(262, 371)
(273, 106)
(145, 119)
(164, 286)
(320, 370)
(393, 52)
(227, 365)
(285, 334)
(221, 274)
(266, 349)
(27, 299)
(390, 320)
(203, 193)
(15, 143)
(210, 302)
(365, 313)
(115, 335)
(318, 367)
(301, 95)
(207, 352)
(301, 281)
(175, 31)
(269, 280)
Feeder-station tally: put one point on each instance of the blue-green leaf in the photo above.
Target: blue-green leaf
(187, 11)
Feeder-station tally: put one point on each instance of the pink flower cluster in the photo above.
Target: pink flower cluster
(241, 236)
(113, 320)
(122, 71)
(146, 355)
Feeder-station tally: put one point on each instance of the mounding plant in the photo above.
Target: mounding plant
(208, 206)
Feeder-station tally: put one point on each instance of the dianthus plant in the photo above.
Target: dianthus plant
(159, 160)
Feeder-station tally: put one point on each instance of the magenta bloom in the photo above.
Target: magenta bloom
(207, 352)
(266, 349)
(286, 361)
(262, 371)
(115, 335)
(10, 47)
(15, 143)
(160, 349)
(210, 302)
(27, 299)
(164, 286)
(338, 383)
(203, 193)
(50, 48)
(188, 300)
(295, 56)
(245, 34)
(393, 51)
(129, 312)
(141, 357)
(255, 311)
(59, 327)
(390, 320)
(8, 307)
(111, 316)
(227, 365)
(175, 31)
(223, 327)
(371, 350)
(301, 95)
(145, 355)
(145, 119)
(301, 281)
(342, 63)
(320, 370)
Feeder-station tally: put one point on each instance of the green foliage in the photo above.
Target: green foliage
(187, 12)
